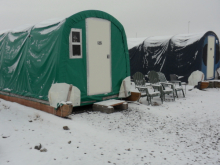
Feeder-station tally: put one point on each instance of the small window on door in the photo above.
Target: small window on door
(75, 43)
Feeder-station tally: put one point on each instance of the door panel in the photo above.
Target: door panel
(98, 40)
(210, 57)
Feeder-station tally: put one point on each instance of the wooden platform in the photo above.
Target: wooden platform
(110, 106)
(210, 84)
(63, 111)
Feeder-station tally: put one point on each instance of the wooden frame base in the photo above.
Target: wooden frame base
(63, 111)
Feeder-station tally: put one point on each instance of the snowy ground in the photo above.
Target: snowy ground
(186, 131)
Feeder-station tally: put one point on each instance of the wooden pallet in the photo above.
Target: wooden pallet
(110, 106)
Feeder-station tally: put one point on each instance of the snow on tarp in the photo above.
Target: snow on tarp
(132, 42)
(19, 63)
(27, 27)
(2, 36)
(52, 28)
(179, 39)
(156, 41)
(159, 46)
(4, 31)
(149, 55)
(11, 56)
(183, 40)
(12, 37)
(14, 66)
(49, 22)
(22, 28)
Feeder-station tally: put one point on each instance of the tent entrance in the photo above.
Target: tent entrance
(210, 57)
(98, 42)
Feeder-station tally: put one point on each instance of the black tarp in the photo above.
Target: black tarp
(180, 54)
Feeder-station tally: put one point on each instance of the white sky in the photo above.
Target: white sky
(140, 18)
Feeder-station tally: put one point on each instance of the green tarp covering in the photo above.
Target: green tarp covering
(35, 58)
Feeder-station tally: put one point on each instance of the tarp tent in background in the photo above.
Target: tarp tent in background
(150, 55)
(179, 54)
(88, 50)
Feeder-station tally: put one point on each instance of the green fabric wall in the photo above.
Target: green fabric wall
(32, 61)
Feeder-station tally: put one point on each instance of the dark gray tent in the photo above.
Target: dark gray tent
(179, 54)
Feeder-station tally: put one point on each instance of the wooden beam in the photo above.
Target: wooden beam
(63, 111)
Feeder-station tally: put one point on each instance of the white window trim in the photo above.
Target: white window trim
(75, 43)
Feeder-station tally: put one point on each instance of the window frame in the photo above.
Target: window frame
(71, 56)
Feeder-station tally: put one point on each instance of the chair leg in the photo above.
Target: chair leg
(173, 96)
(161, 99)
(150, 101)
(176, 93)
(183, 93)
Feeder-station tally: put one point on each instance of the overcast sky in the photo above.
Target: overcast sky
(140, 18)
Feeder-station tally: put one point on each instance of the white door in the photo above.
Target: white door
(210, 57)
(98, 43)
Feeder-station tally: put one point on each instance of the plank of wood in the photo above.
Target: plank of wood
(126, 94)
(64, 111)
(204, 85)
(69, 92)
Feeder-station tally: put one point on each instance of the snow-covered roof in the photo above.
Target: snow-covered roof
(27, 27)
(156, 41)
(186, 39)
(49, 22)
(22, 28)
(179, 39)
(132, 42)
(4, 31)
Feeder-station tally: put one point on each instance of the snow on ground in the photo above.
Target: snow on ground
(182, 132)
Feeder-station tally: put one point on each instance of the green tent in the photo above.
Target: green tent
(88, 50)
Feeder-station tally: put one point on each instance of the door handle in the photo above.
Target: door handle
(108, 56)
